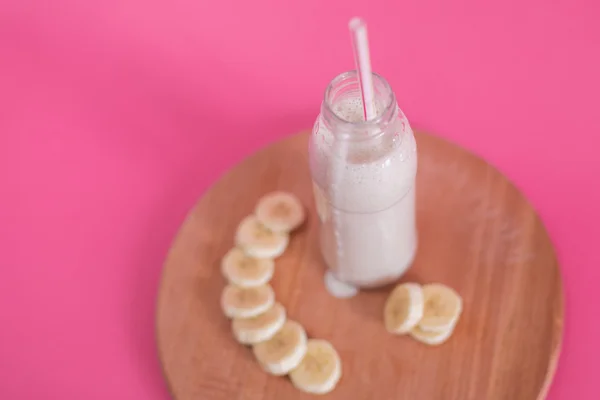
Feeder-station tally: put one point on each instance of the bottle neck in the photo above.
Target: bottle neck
(342, 108)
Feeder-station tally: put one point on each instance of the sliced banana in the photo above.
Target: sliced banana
(246, 271)
(284, 351)
(320, 369)
(238, 302)
(259, 241)
(443, 307)
(404, 308)
(431, 338)
(280, 211)
(260, 328)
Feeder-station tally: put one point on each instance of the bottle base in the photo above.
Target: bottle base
(381, 281)
(371, 284)
(337, 288)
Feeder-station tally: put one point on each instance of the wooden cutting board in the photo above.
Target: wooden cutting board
(477, 234)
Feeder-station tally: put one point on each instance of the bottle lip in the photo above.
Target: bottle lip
(381, 118)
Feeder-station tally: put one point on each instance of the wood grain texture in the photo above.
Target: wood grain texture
(476, 233)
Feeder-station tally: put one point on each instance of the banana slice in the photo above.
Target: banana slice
(280, 211)
(431, 338)
(245, 271)
(320, 369)
(443, 307)
(240, 302)
(259, 241)
(284, 351)
(260, 328)
(404, 308)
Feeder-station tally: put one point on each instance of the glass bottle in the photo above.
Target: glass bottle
(363, 176)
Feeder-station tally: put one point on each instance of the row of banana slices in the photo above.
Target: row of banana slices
(428, 313)
(280, 345)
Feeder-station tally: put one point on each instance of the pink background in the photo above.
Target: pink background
(116, 115)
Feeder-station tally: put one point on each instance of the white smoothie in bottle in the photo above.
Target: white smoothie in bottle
(364, 184)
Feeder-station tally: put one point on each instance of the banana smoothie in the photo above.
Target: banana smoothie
(364, 186)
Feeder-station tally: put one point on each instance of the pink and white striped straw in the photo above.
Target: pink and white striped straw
(362, 59)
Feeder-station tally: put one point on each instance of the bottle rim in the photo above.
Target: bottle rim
(343, 125)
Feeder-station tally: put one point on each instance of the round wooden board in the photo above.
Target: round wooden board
(477, 234)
